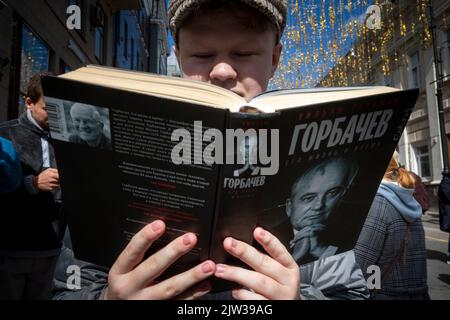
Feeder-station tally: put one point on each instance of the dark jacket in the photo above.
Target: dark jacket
(420, 193)
(444, 203)
(26, 224)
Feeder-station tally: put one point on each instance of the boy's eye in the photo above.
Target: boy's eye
(244, 54)
(202, 55)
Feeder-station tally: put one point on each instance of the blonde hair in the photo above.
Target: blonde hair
(400, 175)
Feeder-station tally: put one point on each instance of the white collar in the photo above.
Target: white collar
(32, 120)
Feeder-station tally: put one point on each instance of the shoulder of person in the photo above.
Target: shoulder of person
(8, 125)
(381, 208)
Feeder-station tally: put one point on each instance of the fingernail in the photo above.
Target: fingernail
(206, 267)
(157, 225)
(187, 239)
(262, 232)
(233, 243)
(220, 268)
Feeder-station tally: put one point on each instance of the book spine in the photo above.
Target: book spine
(217, 200)
(242, 180)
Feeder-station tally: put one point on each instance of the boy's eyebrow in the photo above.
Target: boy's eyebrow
(244, 45)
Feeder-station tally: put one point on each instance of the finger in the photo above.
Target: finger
(156, 264)
(198, 291)
(274, 248)
(258, 282)
(133, 254)
(50, 171)
(178, 284)
(244, 294)
(254, 258)
(54, 185)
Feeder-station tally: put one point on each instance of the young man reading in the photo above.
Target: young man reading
(234, 44)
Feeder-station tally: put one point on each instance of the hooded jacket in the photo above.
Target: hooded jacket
(402, 199)
(393, 239)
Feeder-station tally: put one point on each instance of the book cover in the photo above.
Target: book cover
(332, 157)
(308, 174)
(110, 191)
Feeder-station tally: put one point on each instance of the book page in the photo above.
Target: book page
(179, 89)
(283, 99)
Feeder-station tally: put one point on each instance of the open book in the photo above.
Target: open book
(133, 147)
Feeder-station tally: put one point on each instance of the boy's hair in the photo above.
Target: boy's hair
(34, 88)
(272, 13)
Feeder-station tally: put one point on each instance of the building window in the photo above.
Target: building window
(421, 161)
(446, 58)
(138, 60)
(125, 36)
(388, 80)
(63, 67)
(141, 17)
(414, 70)
(98, 19)
(99, 43)
(448, 38)
(34, 59)
(132, 54)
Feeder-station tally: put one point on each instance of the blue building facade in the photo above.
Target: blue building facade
(35, 38)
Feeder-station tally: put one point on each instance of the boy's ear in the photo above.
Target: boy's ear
(176, 50)
(276, 55)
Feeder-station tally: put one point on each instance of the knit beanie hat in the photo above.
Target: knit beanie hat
(274, 10)
(10, 170)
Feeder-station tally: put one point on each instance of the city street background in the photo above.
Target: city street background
(437, 251)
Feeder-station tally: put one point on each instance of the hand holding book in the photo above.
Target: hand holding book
(131, 277)
(274, 276)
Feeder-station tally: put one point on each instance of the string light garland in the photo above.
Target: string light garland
(333, 43)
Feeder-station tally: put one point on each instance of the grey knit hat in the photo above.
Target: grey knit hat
(274, 10)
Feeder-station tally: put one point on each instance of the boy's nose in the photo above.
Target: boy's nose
(222, 71)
